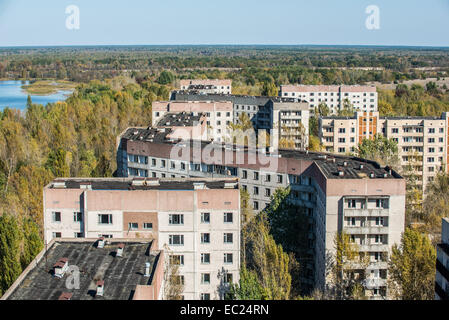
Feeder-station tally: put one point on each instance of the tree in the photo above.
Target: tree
(347, 110)
(385, 109)
(266, 258)
(174, 284)
(10, 238)
(166, 77)
(412, 267)
(269, 89)
(348, 269)
(436, 204)
(315, 144)
(248, 287)
(32, 242)
(380, 149)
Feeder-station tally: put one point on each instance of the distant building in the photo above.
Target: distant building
(362, 98)
(285, 119)
(102, 274)
(338, 193)
(197, 219)
(207, 85)
(422, 141)
(442, 267)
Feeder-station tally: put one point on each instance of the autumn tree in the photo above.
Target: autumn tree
(411, 267)
(381, 150)
(10, 239)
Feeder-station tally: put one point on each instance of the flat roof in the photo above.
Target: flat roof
(330, 164)
(121, 275)
(181, 119)
(186, 95)
(143, 183)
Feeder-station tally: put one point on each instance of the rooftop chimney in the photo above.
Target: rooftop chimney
(100, 287)
(120, 248)
(60, 267)
(100, 242)
(59, 184)
(147, 269)
(371, 175)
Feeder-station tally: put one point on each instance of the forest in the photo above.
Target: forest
(115, 89)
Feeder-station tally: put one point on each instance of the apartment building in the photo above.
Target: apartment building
(362, 98)
(207, 85)
(218, 115)
(422, 141)
(195, 221)
(338, 193)
(283, 118)
(442, 266)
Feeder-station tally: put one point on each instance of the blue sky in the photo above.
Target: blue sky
(105, 22)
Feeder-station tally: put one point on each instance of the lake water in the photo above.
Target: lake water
(12, 95)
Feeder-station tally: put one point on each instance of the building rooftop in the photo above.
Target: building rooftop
(330, 164)
(142, 183)
(182, 95)
(183, 119)
(121, 275)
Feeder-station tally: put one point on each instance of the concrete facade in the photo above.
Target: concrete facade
(442, 264)
(422, 141)
(168, 211)
(362, 98)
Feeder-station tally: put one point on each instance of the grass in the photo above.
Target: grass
(45, 87)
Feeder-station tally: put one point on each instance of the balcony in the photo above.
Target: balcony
(365, 230)
(374, 283)
(375, 247)
(366, 212)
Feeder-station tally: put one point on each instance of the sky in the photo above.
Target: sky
(168, 22)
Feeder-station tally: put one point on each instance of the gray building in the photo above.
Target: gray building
(442, 265)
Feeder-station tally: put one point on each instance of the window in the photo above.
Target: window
(77, 217)
(78, 235)
(256, 191)
(56, 216)
(267, 178)
(176, 219)
(205, 278)
(352, 221)
(183, 166)
(227, 258)
(105, 219)
(244, 174)
(227, 238)
(56, 234)
(177, 260)
(172, 165)
(153, 162)
(256, 176)
(228, 278)
(227, 217)
(205, 238)
(267, 192)
(205, 296)
(341, 130)
(205, 258)
(176, 239)
(279, 178)
(256, 205)
(205, 217)
(133, 226)
(379, 221)
(378, 203)
(162, 163)
(148, 226)
(351, 203)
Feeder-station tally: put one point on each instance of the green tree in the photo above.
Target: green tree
(269, 89)
(436, 204)
(32, 242)
(412, 267)
(248, 288)
(10, 238)
(166, 77)
(380, 149)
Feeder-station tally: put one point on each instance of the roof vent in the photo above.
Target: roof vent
(345, 163)
(100, 288)
(341, 173)
(371, 175)
(65, 296)
(147, 269)
(86, 185)
(361, 166)
(199, 185)
(385, 175)
(60, 267)
(100, 242)
(153, 182)
(138, 182)
(59, 184)
(120, 248)
(230, 185)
